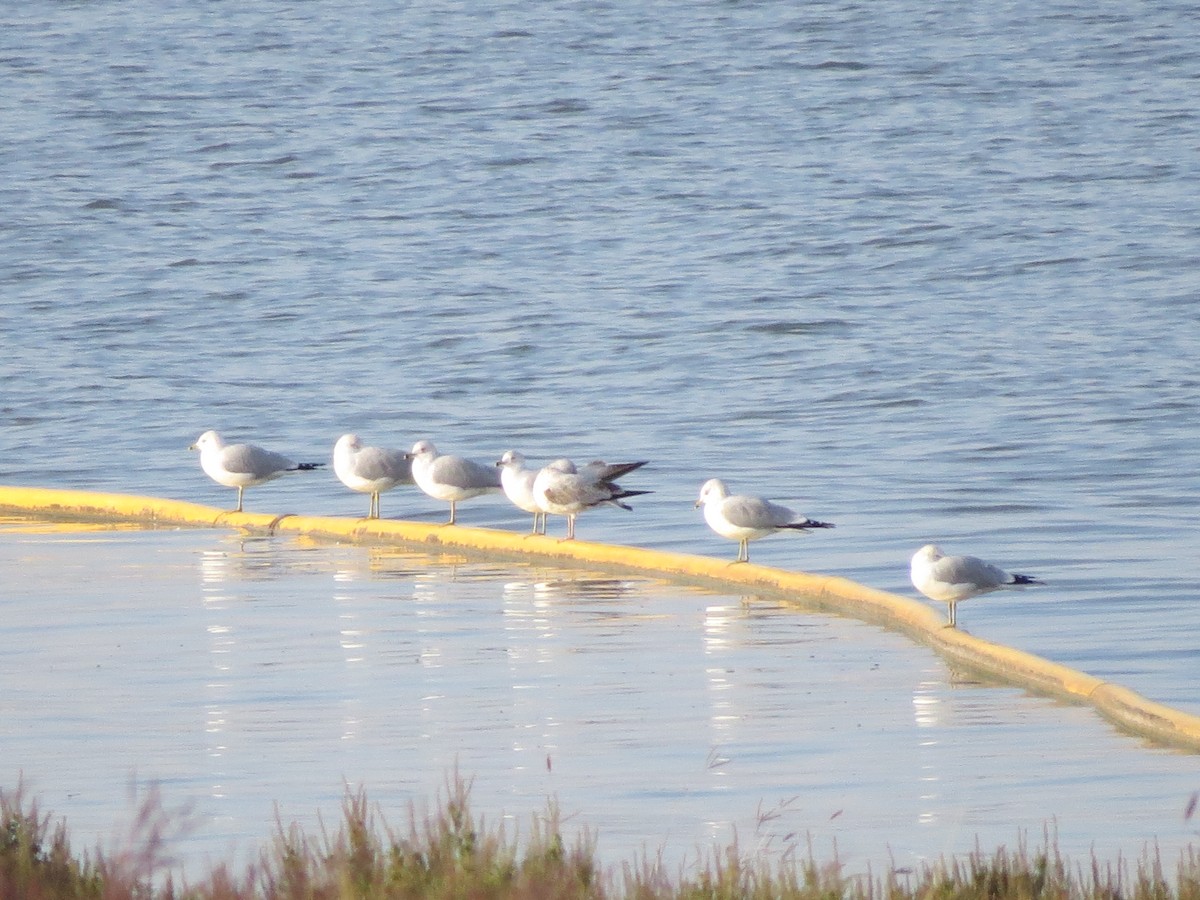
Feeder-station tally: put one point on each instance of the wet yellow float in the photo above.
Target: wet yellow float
(1123, 707)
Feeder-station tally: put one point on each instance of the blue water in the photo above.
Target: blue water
(924, 272)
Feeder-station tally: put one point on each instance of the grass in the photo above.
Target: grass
(451, 854)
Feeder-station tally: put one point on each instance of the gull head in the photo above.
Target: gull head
(210, 439)
(712, 490)
(928, 554)
(348, 442)
(510, 458)
(420, 449)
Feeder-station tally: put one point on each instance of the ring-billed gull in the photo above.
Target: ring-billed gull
(562, 489)
(517, 482)
(743, 518)
(949, 579)
(243, 465)
(370, 470)
(450, 478)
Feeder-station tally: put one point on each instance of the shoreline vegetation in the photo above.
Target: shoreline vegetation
(449, 853)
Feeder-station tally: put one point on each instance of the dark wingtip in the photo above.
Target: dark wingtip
(308, 467)
(1025, 579)
(618, 470)
(617, 498)
(807, 524)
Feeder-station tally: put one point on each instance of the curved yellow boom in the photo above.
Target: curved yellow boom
(1121, 706)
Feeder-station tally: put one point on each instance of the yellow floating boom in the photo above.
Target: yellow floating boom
(1121, 706)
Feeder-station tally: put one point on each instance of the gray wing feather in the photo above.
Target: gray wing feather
(755, 512)
(581, 490)
(248, 459)
(969, 570)
(374, 463)
(463, 473)
(611, 471)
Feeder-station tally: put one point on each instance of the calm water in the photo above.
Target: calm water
(925, 273)
(249, 676)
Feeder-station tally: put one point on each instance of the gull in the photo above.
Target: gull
(243, 465)
(949, 579)
(744, 518)
(450, 478)
(517, 482)
(370, 470)
(563, 489)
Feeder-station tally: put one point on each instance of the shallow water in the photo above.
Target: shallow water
(249, 677)
(926, 274)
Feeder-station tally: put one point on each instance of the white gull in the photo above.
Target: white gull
(450, 478)
(243, 465)
(562, 489)
(744, 518)
(951, 579)
(370, 470)
(517, 481)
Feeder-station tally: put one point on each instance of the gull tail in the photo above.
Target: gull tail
(617, 498)
(307, 467)
(613, 471)
(807, 524)
(1024, 579)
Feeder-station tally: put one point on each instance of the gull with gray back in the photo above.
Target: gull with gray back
(744, 518)
(517, 481)
(370, 470)
(952, 579)
(243, 465)
(452, 479)
(562, 489)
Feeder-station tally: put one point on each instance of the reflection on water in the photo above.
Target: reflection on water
(942, 706)
(927, 713)
(270, 671)
(531, 632)
(720, 677)
(215, 573)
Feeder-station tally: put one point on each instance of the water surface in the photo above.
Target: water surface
(250, 677)
(925, 273)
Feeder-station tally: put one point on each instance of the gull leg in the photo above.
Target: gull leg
(743, 552)
(953, 620)
(239, 506)
(452, 513)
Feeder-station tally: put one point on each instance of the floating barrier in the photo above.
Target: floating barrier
(1119, 705)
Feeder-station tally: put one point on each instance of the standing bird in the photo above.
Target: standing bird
(949, 579)
(517, 482)
(243, 465)
(564, 490)
(744, 518)
(370, 470)
(450, 478)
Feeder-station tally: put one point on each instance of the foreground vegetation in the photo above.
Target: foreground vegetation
(449, 854)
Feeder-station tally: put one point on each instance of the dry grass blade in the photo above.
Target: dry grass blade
(449, 853)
